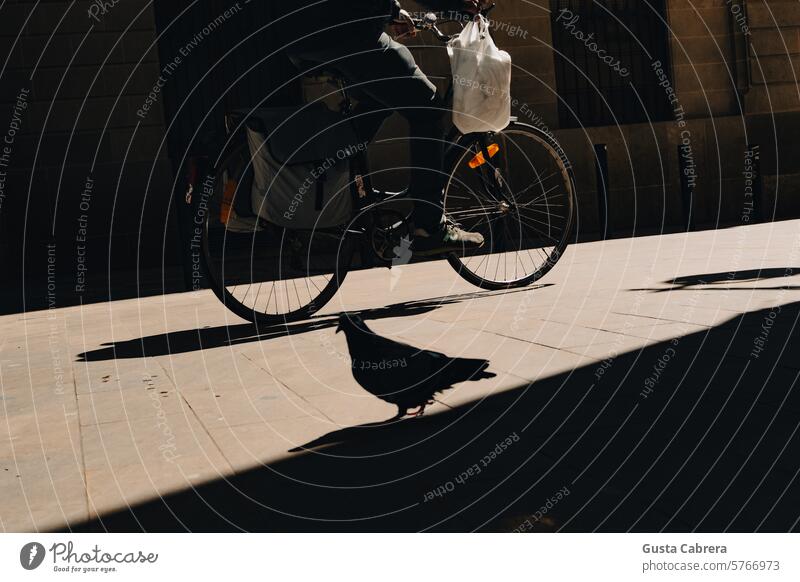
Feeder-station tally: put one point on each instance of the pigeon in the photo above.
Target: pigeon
(401, 374)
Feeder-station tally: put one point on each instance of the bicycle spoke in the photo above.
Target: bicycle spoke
(263, 276)
(535, 184)
(474, 214)
(536, 229)
(525, 235)
(461, 197)
(542, 195)
(520, 214)
(497, 268)
(258, 293)
(299, 302)
(269, 299)
(479, 264)
(550, 214)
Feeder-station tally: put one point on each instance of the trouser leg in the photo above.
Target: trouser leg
(386, 72)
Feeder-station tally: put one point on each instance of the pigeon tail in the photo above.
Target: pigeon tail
(471, 370)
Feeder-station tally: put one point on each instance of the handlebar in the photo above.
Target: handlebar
(431, 22)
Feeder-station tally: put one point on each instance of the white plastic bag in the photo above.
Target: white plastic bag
(481, 80)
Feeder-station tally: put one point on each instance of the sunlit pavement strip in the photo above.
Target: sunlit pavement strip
(82, 436)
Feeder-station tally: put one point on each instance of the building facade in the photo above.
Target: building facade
(674, 114)
(698, 129)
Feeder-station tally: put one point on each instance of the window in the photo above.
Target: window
(605, 54)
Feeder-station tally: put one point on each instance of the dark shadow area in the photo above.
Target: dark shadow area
(747, 275)
(712, 281)
(115, 286)
(694, 433)
(192, 340)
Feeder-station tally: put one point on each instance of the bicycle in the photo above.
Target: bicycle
(274, 275)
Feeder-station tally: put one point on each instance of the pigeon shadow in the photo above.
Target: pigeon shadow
(694, 433)
(192, 340)
(351, 434)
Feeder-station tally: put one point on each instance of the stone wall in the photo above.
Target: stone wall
(726, 102)
(773, 101)
(85, 170)
(83, 164)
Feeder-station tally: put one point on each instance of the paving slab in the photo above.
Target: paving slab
(119, 405)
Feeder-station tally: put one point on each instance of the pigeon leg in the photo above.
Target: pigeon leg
(419, 412)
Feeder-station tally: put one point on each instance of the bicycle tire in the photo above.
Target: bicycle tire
(237, 164)
(463, 149)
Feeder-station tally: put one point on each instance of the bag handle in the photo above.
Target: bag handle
(483, 25)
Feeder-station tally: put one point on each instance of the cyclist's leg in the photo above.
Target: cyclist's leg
(386, 71)
(368, 115)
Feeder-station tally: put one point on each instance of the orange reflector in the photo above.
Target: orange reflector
(227, 201)
(479, 160)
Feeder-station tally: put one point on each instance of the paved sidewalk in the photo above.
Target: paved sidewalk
(654, 379)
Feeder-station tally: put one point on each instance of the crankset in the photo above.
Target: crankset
(390, 238)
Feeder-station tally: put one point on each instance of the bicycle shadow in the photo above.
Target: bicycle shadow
(705, 443)
(713, 281)
(192, 340)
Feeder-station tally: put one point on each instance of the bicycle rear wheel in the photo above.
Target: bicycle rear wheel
(264, 273)
(522, 200)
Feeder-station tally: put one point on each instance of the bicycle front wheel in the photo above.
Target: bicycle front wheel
(264, 273)
(521, 199)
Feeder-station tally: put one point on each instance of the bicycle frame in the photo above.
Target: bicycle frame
(493, 184)
(381, 225)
